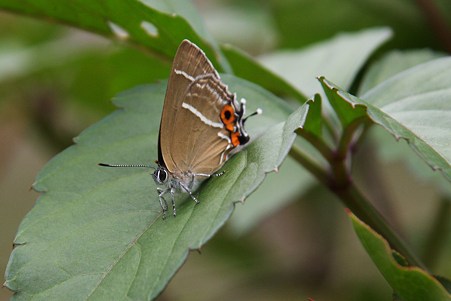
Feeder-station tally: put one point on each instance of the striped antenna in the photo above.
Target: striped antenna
(126, 165)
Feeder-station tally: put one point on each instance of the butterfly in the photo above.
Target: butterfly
(201, 124)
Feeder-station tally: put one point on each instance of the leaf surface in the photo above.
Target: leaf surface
(410, 283)
(339, 59)
(97, 233)
(414, 105)
(159, 26)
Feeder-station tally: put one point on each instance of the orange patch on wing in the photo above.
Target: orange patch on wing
(235, 139)
(228, 117)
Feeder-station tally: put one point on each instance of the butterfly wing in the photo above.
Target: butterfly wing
(192, 135)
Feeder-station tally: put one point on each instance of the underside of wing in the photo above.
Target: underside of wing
(202, 143)
(190, 122)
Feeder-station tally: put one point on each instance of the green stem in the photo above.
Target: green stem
(339, 181)
(297, 154)
(319, 144)
(345, 143)
(437, 233)
(330, 128)
(437, 21)
(353, 199)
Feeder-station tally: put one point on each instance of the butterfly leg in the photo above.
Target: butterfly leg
(190, 193)
(216, 174)
(163, 203)
(174, 210)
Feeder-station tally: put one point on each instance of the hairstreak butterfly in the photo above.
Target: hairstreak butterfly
(201, 123)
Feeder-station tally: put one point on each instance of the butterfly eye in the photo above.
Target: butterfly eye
(161, 175)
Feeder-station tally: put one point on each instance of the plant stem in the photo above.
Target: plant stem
(297, 154)
(438, 232)
(319, 144)
(437, 22)
(343, 149)
(339, 181)
(353, 198)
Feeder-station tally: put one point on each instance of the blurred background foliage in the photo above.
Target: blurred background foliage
(55, 81)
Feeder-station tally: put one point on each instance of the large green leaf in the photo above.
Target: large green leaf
(291, 179)
(158, 25)
(414, 105)
(97, 233)
(393, 63)
(388, 66)
(391, 151)
(410, 283)
(246, 67)
(338, 59)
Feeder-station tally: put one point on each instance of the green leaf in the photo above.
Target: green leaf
(392, 151)
(410, 283)
(393, 63)
(314, 122)
(347, 111)
(338, 59)
(160, 26)
(291, 179)
(414, 105)
(246, 67)
(98, 233)
(247, 24)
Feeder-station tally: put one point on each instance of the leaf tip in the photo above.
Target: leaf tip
(7, 285)
(76, 139)
(36, 187)
(197, 249)
(18, 244)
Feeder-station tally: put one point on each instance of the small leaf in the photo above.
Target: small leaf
(414, 105)
(347, 111)
(314, 122)
(339, 59)
(97, 233)
(390, 65)
(410, 283)
(393, 151)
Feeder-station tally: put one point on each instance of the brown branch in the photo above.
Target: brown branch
(437, 22)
